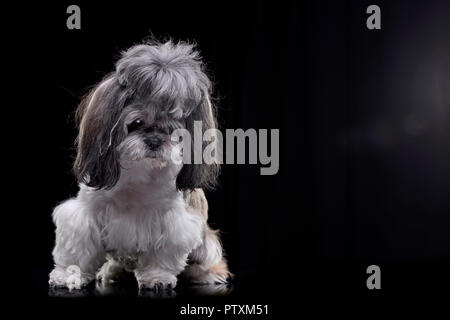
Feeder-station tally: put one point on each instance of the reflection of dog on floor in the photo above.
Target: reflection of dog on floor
(138, 209)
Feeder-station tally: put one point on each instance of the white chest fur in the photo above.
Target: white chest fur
(144, 212)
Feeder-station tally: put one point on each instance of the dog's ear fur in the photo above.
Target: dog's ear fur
(98, 118)
(201, 175)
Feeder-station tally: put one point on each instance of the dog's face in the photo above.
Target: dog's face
(147, 132)
(130, 116)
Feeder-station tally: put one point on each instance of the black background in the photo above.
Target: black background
(364, 119)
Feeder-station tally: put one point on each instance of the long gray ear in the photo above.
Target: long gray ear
(98, 117)
(202, 175)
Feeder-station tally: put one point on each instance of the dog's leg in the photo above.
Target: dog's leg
(115, 267)
(208, 264)
(110, 272)
(158, 270)
(78, 252)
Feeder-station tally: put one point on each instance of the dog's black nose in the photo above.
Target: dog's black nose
(153, 142)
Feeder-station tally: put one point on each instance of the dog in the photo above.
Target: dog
(138, 210)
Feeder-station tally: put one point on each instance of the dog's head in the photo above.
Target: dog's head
(155, 89)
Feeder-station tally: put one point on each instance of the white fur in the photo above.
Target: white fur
(139, 220)
(142, 216)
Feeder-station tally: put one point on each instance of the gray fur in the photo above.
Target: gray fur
(163, 83)
(169, 73)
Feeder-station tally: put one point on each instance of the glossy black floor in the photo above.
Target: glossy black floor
(336, 288)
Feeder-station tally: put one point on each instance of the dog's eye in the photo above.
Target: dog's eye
(136, 124)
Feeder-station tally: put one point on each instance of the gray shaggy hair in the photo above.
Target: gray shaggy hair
(169, 73)
(166, 78)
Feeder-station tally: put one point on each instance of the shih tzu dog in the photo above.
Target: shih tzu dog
(137, 209)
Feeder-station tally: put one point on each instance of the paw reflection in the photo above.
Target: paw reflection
(62, 292)
(104, 288)
(158, 293)
(222, 289)
(131, 289)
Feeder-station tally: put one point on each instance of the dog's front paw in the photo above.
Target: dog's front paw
(70, 277)
(156, 280)
(110, 272)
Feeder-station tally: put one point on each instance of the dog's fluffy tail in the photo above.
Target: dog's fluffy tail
(208, 265)
(207, 262)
